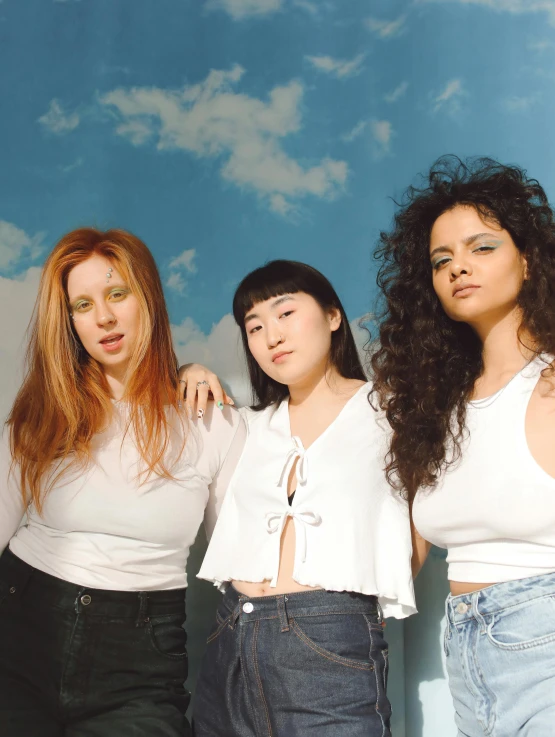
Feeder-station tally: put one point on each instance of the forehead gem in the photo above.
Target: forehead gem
(109, 275)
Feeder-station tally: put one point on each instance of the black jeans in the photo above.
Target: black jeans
(309, 663)
(79, 662)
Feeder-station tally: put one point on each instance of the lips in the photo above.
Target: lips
(464, 290)
(277, 357)
(111, 342)
(112, 338)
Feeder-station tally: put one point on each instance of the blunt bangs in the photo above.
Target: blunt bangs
(280, 277)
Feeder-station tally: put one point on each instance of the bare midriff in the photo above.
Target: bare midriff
(285, 582)
(459, 587)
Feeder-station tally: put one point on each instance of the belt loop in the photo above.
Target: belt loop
(447, 619)
(142, 615)
(479, 618)
(236, 613)
(283, 618)
(78, 606)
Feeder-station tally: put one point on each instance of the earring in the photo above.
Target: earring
(109, 275)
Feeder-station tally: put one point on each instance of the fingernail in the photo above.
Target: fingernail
(189, 412)
(200, 414)
(230, 400)
(220, 405)
(179, 404)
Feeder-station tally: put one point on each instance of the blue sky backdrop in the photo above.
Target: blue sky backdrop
(228, 132)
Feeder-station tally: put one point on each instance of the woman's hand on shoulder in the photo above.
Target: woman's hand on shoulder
(199, 384)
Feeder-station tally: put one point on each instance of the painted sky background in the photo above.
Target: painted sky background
(228, 132)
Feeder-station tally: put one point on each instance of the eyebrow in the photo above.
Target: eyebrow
(466, 241)
(107, 289)
(276, 303)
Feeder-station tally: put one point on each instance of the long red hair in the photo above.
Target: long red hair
(64, 400)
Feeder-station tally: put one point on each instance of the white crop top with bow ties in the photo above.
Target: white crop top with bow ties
(352, 530)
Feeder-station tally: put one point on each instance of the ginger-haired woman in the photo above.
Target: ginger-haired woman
(104, 483)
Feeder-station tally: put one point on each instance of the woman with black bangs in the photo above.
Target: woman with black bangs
(312, 547)
(465, 375)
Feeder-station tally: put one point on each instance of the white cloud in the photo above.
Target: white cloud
(310, 7)
(520, 104)
(137, 131)
(516, 7)
(355, 132)
(382, 133)
(397, 93)
(185, 260)
(15, 243)
(540, 45)
(279, 204)
(387, 28)
(449, 98)
(57, 121)
(176, 282)
(239, 9)
(243, 133)
(17, 298)
(339, 68)
(180, 266)
(220, 350)
(70, 167)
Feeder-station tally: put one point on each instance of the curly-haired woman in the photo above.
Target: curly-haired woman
(465, 374)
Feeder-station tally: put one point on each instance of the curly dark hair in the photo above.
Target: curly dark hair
(426, 364)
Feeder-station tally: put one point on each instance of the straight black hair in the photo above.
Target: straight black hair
(290, 277)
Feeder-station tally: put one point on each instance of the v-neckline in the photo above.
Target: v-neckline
(328, 428)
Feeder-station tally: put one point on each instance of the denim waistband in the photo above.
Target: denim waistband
(491, 599)
(298, 604)
(23, 580)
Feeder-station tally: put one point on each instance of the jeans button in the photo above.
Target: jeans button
(86, 600)
(12, 590)
(462, 608)
(248, 607)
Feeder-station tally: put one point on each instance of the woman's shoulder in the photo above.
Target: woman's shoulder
(258, 416)
(218, 422)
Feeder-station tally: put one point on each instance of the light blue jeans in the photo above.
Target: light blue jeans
(500, 648)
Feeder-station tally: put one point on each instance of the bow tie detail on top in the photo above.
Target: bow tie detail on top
(296, 453)
(275, 522)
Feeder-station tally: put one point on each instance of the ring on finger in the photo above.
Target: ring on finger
(202, 383)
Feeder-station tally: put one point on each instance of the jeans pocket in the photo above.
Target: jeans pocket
(168, 637)
(340, 638)
(219, 627)
(523, 626)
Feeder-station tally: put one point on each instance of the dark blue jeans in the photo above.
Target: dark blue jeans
(281, 666)
(78, 662)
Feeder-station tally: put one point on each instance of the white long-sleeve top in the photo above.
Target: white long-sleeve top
(101, 528)
(352, 530)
